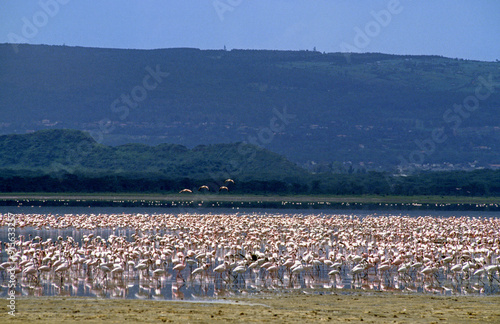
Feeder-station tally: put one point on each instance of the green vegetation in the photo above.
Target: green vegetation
(230, 200)
(368, 112)
(71, 161)
(70, 153)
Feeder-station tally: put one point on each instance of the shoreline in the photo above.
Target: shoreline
(378, 307)
(253, 197)
(251, 201)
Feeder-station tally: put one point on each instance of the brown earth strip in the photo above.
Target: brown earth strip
(299, 308)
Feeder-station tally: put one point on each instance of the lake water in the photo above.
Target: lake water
(172, 286)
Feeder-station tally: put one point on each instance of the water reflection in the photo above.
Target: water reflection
(130, 286)
(190, 257)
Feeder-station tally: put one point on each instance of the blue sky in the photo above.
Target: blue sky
(467, 29)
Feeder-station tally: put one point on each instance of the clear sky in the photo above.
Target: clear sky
(467, 29)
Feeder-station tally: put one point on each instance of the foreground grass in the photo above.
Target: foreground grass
(295, 307)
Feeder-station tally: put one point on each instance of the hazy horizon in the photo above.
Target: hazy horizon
(457, 29)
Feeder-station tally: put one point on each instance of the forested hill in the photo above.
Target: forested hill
(325, 111)
(72, 161)
(75, 152)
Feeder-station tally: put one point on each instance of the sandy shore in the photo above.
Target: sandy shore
(296, 307)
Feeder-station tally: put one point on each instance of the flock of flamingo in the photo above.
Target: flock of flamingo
(245, 251)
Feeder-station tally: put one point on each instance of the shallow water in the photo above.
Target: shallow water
(134, 284)
(61, 210)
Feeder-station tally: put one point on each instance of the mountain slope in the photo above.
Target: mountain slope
(372, 110)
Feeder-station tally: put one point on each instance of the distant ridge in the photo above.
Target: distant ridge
(370, 111)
